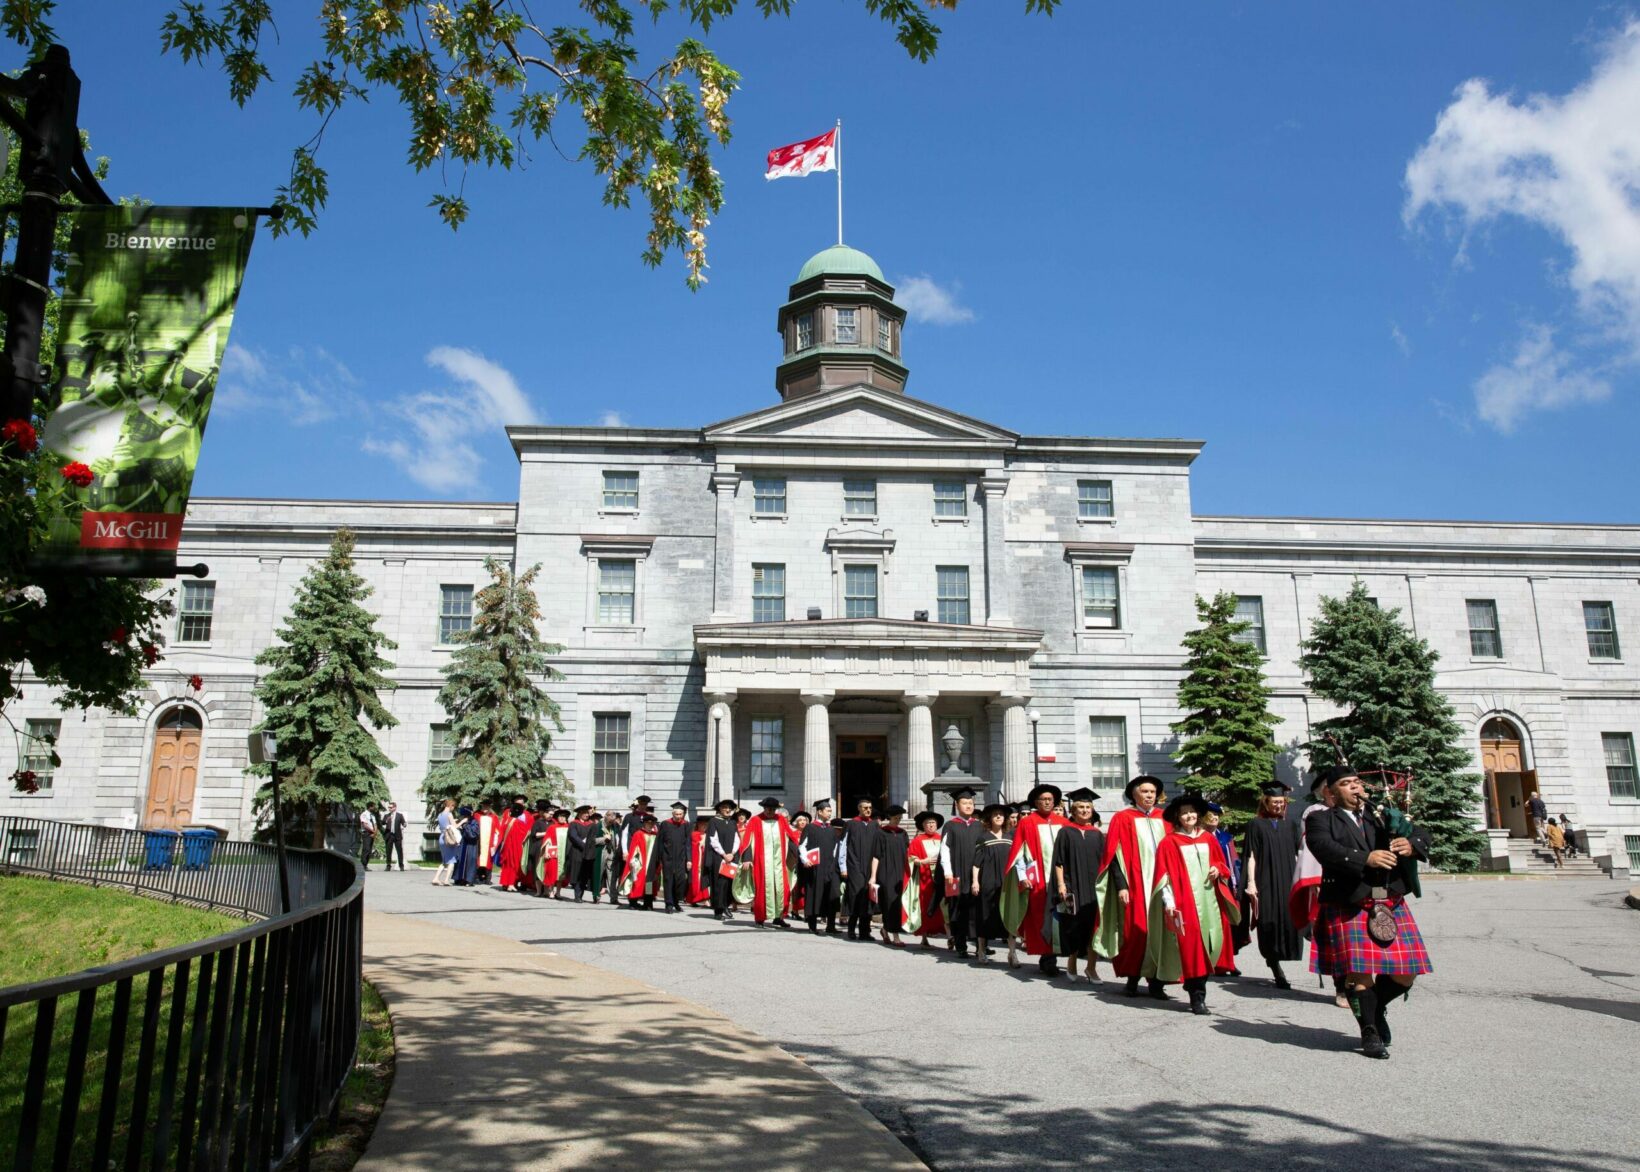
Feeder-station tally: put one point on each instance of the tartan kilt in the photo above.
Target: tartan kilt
(1341, 944)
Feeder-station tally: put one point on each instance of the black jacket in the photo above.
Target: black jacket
(1341, 847)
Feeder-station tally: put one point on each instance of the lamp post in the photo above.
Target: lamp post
(717, 758)
(1036, 753)
(264, 750)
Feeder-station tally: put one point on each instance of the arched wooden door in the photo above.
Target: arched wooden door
(1508, 781)
(173, 775)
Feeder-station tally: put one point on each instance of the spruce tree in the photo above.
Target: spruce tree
(1367, 662)
(500, 720)
(327, 670)
(1227, 745)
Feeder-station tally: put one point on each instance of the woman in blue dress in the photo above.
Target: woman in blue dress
(448, 852)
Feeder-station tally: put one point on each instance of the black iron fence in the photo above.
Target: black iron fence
(223, 1053)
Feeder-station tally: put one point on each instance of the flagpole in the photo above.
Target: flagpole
(837, 153)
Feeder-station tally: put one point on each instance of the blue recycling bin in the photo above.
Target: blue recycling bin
(197, 845)
(162, 848)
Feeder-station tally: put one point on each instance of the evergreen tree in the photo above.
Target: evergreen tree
(1367, 662)
(1227, 746)
(327, 669)
(500, 720)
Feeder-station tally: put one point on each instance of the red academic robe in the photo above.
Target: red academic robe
(700, 883)
(638, 880)
(924, 855)
(1193, 958)
(1028, 838)
(512, 849)
(784, 840)
(1122, 841)
(553, 853)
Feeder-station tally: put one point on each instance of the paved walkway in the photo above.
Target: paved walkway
(513, 1057)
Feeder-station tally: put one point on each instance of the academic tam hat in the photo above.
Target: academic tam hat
(823, 804)
(1274, 789)
(1044, 788)
(966, 791)
(993, 810)
(1127, 790)
(893, 810)
(1183, 801)
(561, 812)
(679, 806)
(770, 803)
(642, 800)
(1082, 794)
(928, 816)
(725, 804)
(583, 809)
(650, 818)
(543, 806)
(1214, 808)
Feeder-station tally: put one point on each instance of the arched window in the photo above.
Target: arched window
(1499, 729)
(179, 717)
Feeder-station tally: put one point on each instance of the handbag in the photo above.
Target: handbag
(451, 835)
(1381, 924)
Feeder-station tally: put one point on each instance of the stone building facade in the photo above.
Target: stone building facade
(802, 600)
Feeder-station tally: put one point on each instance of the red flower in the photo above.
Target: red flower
(26, 781)
(117, 635)
(20, 432)
(78, 474)
(197, 683)
(150, 653)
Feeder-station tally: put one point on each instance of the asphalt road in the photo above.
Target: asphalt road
(1519, 1050)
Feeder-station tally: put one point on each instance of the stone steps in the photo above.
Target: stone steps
(1531, 859)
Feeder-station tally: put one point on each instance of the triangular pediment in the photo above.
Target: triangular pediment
(859, 414)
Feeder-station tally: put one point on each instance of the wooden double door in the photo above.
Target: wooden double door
(1508, 782)
(173, 772)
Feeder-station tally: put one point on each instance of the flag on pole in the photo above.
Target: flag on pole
(799, 158)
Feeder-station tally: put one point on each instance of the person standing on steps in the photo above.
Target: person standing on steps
(1538, 812)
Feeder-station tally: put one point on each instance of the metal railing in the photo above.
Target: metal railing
(224, 1053)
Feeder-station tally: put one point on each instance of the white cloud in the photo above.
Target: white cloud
(1539, 378)
(306, 385)
(432, 431)
(1570, 164)
(612, 419)
(1400, 340)
(926, 300)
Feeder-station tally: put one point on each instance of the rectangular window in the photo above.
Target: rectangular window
(441, 744)
(1631, 843)
(620, 490)
(805, 330)
(768, 593)
(1250, 609)
(1107, 748)
(769, 495)
(194, 612)
(860, 498)
(1100, 605)
(455, 612)
(39, 741)
(848, 327)
(885, 334)
(1094, 499)
(768, 752)
(22, 846)
(617, 590)
(950, 498)
(1485, 641)
(859, 592)
(1619, 751)
(951, 586)
(611, 749)
(1600, 624)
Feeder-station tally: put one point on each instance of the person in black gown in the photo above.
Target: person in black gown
(722, 843)
(822, 878)
(888, 872)
(675, 849)
(1078, 852)
(1269, 862)
(992, 845)
(860, 847)
(956, 861)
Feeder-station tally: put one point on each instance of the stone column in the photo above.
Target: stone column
(919, 755)
(1016, 748)
(724, 483)
(993, 486)
(720, 741)
(816, 747)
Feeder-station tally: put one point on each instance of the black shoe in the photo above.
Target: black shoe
(1387, 990)
(1132, 987)
(780, 922)
(1158, 991)
(1198, 1002)
(1371, 1044)
(962, 950)
(1049, 966)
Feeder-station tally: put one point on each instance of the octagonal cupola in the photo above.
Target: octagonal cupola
(840, 327)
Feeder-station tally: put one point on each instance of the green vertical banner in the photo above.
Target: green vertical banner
(147, 302)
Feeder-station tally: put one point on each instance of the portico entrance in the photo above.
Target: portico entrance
(173, 774)
(1508, 782)
(862, 772)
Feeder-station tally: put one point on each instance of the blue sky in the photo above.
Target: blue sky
(1129, 219)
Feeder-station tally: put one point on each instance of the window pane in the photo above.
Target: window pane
(194, 612)
(885, 334)
(455, 612)
(768, 752)
(860, 592)
(951, 592)
(848, 331)
(805, 330)
(22, 846)
(611, 749)
(39, 737)
(768, 593)
(1093, 499)
(1107, 744)
(1619, 752)
(1600, 622)
(950, 498)
(1631, 844)
(441, 743)
(1484, 639)
(620, 490)
(860, 498)
(617, 589)
(769, 495)
(1100, 605)
(1250, 609)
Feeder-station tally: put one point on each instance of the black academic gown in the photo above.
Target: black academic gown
(1080, 851)
(821, 881)
(674, 849)
(862, 836)
(991, 857)
(1273, 844)
(534, 842)
(961, 835)
(892, 845)
(722, 832)
(578, 855)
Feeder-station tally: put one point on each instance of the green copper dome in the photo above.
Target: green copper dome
(842, 260)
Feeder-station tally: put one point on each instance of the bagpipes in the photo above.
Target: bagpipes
(1390, 813)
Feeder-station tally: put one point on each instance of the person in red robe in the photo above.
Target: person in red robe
(769, 839)
(700, 881)
(924, 858)
(512, 847)
(1195, 900)
(1130, 847)
(555, 855)
(642, 875)
(1030, 875)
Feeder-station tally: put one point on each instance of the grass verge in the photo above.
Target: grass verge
(338, 1146)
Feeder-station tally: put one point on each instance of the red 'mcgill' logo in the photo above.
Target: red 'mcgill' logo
(130, 530)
